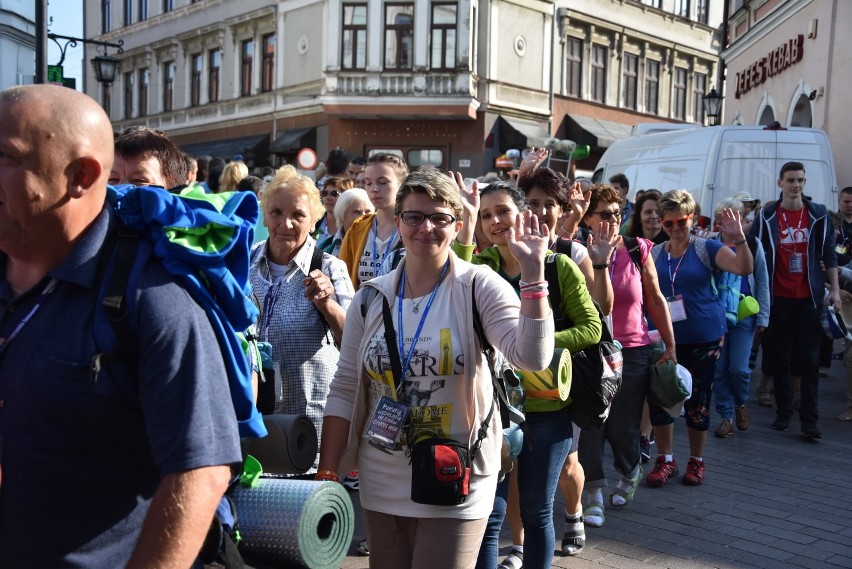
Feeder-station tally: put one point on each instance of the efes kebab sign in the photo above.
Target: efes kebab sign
(772, 64)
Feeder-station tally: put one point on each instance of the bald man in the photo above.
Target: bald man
(99, 468)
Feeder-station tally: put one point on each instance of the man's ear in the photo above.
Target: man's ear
(83, 175)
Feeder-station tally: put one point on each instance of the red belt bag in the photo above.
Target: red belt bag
(440, 472)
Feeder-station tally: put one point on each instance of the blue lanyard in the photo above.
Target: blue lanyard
(269, 302)
(4, 342)
(378, 265)
(400, 335)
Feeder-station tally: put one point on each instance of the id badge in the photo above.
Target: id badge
(677, 310)
(385, 425)
(841, 249)
(796, 262)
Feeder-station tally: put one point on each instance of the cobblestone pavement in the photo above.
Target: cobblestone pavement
(770, 499)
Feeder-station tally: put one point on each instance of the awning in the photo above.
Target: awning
(249, 147)
(597, 133)
(518, 133)
(294, 140)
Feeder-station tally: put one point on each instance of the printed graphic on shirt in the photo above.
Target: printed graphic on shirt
(432, 380)
(368, 267)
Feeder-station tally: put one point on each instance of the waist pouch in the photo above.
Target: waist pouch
(440, 472)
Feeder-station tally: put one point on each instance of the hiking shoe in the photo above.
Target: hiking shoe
(352, 480)
(741, 415)
(810, 430)
(781, 423)
(694, 475)
(515, 560)
(644, 449)
(725, 429)
(662, 472)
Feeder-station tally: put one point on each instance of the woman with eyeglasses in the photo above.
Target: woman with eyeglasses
(550, 431)
(302, 310)
(351, 205)
(685, 265)
(442, 380)
(330, 192)
(373, 237)
(634, 282)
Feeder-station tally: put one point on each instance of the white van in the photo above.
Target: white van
(719, 161)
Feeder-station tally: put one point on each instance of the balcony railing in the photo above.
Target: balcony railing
(399, 84)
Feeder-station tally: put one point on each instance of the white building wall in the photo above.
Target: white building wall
(17, 42)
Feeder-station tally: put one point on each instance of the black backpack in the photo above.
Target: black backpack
(596, 369)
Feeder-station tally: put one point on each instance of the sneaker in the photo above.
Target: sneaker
(662, 472)
(810, 430)
(363, 548)
(644, 449)
(515, 560)
(781, 423)
(694, 475)
(741, 414)
(725, 429)
(351, 480)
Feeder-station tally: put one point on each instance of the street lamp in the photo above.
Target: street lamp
(713, 107)
(105, 66)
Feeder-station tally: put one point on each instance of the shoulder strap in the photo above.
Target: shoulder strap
(393, 349)
(551, 275)
(702, 252)
(632, 246)
(564, 246)
(370, 293)
(656, 250)
(752, 244)
(316, 264)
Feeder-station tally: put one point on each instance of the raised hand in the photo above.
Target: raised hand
(602, 242)
(531, 161)
(528, 242)
(470, 203)
(730, 223)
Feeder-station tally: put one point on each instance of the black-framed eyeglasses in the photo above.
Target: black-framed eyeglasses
(324, 193)
(680, 222)
(415, 218)
(606, 214)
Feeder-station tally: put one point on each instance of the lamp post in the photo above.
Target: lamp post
(713, 107)
(104, 65)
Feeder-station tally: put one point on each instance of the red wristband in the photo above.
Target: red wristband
(533, 295)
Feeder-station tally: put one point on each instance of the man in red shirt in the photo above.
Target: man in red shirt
(797, 235)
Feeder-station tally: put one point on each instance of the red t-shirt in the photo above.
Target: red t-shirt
(793, 235)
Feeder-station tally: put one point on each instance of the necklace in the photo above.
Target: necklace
(416, 308)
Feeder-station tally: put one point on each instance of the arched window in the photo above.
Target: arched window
(802, 115)
(767, 117)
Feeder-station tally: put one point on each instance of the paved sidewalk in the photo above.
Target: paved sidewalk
(770, 500)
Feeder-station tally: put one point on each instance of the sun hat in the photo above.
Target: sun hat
(833, 325)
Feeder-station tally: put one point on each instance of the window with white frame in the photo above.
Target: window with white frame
(573, 66)
(629, 79)
(599, 70)
(679, 93)
(354, 44)
(652, 86)
(443, 35)
(399, 36)
(168, 86)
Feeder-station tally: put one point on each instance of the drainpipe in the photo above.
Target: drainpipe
(552, 66)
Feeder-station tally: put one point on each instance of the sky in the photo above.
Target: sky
(67, 21)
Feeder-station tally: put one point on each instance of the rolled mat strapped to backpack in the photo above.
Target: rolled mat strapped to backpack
(290, 447)
(552, 383)
(295, 523)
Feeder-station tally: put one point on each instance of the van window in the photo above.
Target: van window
(661, 175)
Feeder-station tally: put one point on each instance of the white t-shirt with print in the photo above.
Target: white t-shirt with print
(367, 265)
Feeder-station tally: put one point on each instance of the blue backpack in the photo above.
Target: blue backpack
(202, 239)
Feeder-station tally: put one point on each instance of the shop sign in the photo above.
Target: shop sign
(772, 64)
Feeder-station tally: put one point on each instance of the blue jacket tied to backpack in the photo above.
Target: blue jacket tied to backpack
(205, 240)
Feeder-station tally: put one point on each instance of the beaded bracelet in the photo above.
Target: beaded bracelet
(329, 475)
(533, 295)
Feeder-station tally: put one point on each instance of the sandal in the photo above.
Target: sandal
(593, 515)
(626, 494)
(574, 538)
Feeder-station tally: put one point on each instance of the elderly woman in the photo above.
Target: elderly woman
(330, 193)
(634, 282)
(732, 372)
(351, 205)
(440, 383)
(685, 265)
(645, 221)
(302, 309)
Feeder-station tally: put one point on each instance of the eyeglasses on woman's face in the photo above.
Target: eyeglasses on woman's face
(606, 214)
(669, 223)
(325, 193)
(415, 218)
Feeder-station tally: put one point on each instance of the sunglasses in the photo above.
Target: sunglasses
(680, 222)
(325, 193)
(415, 218)
(606, 215)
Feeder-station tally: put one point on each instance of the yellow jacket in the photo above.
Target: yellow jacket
(353, 245)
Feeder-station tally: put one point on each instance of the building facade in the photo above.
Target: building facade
(788, 62)
(17, 42)
(449, 83)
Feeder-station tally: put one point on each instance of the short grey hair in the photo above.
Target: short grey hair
(345, 200)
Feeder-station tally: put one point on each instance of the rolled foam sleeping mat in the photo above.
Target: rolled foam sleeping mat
(295, 523)
(289, 448)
